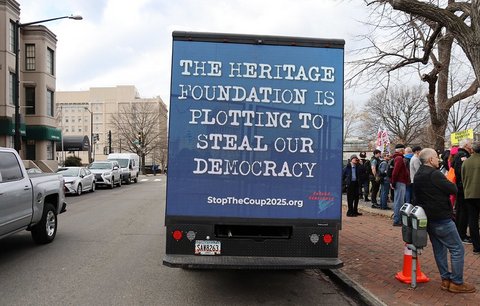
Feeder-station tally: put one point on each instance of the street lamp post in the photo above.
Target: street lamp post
(17, 140)
(92, 142)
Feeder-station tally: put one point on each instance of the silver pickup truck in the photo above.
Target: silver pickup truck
(28, 201)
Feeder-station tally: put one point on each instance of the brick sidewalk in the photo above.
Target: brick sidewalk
(372, 252)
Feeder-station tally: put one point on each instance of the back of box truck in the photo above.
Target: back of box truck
(255, 152)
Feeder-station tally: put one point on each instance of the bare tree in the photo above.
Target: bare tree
(138, 127)
(464, 115)
(405, 37)
(351, 119)
(401, 110)
(460, 18)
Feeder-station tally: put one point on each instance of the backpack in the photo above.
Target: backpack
(407, 162)
(391, 165)
(382, 169)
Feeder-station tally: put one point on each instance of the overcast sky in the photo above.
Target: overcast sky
(128, 42)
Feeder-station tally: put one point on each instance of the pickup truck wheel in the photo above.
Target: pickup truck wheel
(45, 231)
(79, 189)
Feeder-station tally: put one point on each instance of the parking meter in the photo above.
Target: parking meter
(419, 227)
(405, 212)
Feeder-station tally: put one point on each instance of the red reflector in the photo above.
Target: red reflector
(327, 238)
(177, 235)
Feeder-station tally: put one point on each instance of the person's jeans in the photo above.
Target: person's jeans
(365, 189)
(444, 236)
(398, 201)
(408, 194)
(384, 191)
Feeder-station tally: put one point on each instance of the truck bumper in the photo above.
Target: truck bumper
(254, 262)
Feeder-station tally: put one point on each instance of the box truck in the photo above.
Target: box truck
(255, 152)
(129, 164)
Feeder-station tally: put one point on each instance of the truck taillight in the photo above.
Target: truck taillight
(327, 238)
(177, 235)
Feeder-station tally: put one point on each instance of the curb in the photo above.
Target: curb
(353, 289)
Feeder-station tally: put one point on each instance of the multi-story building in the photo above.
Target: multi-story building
(115, 117)
(37, 45)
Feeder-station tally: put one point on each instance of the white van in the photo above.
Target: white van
(130, 164)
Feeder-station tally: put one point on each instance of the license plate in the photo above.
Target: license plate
(207, 247)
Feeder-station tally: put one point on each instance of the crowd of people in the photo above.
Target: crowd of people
(445, 185)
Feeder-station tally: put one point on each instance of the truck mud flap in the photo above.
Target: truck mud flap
(254, 263)
(64, 207)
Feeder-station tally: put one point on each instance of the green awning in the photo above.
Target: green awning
(7, 127)
(43, 132)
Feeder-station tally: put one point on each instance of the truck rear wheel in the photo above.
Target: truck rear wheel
(45, 231)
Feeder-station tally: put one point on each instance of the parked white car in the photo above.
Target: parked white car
(77, 180)
(107, 173)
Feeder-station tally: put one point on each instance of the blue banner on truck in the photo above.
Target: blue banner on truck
(255, 131)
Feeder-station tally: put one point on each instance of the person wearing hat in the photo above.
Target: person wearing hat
(365, 187)
(399, 181)
(351, 179)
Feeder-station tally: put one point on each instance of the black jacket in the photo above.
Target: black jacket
(457, 166)
(432, 192)
(347, 174)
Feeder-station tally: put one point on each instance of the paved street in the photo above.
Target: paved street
(109, 249)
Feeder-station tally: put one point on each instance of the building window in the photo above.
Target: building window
(50, 61)
(30, 100)
(50, 150)
(12, 36)
(50, 103)
(30, 57)
(11, 87)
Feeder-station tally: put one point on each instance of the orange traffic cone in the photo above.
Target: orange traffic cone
(405, 276)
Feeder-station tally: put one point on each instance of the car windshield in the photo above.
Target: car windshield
(69, 172)
(122, 162)
(100, 166)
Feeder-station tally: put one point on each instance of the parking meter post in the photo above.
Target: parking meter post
(413, 285)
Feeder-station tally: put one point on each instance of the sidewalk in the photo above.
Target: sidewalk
(372, 251)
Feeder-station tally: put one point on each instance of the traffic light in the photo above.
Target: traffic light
(140, 140)
(109, 141)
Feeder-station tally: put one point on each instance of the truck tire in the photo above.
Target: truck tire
(135, 180)
(128, 180)
(45, 231)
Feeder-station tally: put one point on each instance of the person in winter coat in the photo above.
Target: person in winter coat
(471, 190)
(432, 190)
(351, 178)
(399, 181)
(461, 209)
